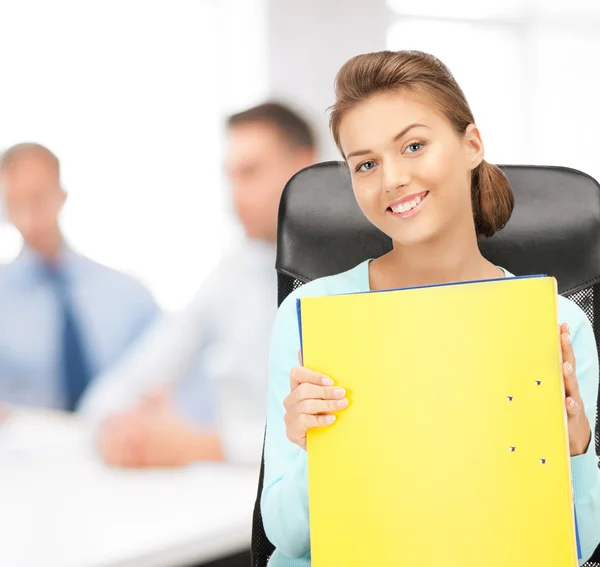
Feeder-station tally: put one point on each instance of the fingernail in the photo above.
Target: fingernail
(568, 338)
(567, 328)
(571, 403)
(327, 382)
(339, 393)
(341, 404)
(329, 418)
(568, 368)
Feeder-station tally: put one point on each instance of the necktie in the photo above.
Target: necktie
(74, 362)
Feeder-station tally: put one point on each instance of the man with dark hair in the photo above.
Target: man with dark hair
(267, 145)
(294, 129)
(64, 318)
(194, 388)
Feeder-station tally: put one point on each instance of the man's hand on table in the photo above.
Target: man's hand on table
(152, 434)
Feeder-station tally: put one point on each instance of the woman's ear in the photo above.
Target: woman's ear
(473, 146)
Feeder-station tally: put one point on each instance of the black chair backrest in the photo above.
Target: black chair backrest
(554, 230)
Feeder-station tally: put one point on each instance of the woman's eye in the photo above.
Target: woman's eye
(412, 148)
(366, 166)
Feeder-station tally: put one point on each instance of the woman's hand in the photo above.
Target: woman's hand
(580, 433)
(312, 399)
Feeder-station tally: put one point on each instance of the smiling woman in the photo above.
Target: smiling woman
(432, 113)
(418, 172)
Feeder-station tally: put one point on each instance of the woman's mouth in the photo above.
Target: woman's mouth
(408, 206)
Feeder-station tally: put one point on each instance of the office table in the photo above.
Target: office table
(61, 507)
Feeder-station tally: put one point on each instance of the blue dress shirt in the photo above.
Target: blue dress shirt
(111, 308)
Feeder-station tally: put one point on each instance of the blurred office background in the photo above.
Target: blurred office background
(131, 96)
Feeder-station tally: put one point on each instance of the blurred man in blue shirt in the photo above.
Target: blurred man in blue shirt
(63, 317)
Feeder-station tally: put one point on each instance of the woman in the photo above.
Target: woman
(415, 156)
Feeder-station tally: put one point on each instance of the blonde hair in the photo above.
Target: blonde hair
(391, 71)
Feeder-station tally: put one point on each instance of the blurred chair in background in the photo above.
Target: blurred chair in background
(206, 367)
(64, 318)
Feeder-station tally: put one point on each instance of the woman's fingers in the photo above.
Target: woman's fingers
(568, 367)
(579, 428)
(321, 406)
(308, 421)
(308, 391)
(300, 375)
(307, 400)
(296, 430)
(567, 345)
(573, 408)
(570, 380)
(312, 400)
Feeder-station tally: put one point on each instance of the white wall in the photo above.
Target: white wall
(309, 40)
(131, 96)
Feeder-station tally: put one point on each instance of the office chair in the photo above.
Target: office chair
(554, 229)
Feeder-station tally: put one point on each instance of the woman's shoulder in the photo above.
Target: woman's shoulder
(351, 281)
(285, 330)
(571, 313)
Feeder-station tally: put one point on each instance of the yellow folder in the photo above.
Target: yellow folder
(454, 448)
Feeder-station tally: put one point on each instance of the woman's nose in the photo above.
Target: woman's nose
(395, 175)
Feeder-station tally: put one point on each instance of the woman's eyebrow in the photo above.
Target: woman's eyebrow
(400, 134)
(406, 130)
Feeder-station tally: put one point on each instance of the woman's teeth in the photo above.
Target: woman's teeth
(407, 205)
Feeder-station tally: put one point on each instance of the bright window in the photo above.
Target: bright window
(459, 9)
(528, 68)
(490, 75)
(131, 96)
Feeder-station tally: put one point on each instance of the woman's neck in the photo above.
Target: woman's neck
(442, 261)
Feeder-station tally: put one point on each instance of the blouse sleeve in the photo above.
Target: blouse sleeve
(284, 502)
(584, 468)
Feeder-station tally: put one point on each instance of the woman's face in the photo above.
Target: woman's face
(410, 170)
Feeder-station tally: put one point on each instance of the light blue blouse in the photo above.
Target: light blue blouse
(284, 501)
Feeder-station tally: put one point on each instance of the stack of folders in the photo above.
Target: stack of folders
(454, 448)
